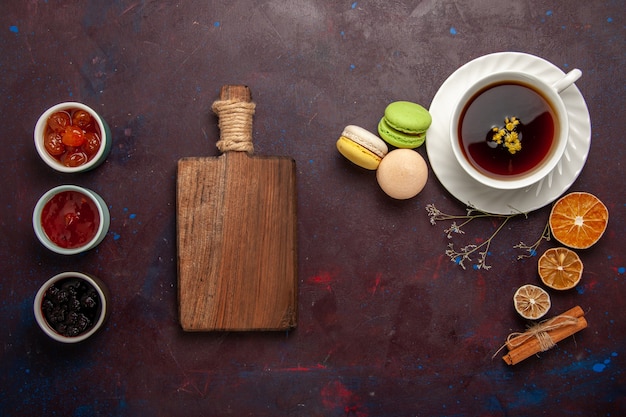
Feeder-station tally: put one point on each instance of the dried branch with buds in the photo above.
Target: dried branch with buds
(464, 254)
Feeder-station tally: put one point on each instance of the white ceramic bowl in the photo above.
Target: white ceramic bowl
(99, 157)
(102, 312)
(103, 227)
(551, 93)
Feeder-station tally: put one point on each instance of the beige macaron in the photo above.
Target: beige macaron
(402, 174)
(363, 148)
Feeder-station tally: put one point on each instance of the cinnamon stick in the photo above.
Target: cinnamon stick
(576, 312)
(533, 341)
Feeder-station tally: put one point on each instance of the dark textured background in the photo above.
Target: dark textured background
(388, 326)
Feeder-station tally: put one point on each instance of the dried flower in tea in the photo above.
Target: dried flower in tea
(508, 137)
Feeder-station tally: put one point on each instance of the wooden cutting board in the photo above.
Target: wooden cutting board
(236, 226)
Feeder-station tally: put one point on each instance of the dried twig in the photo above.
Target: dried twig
(464, 254)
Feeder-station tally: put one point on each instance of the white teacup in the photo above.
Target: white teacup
(542, 134)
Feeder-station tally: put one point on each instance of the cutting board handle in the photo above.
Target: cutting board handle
(235, 109)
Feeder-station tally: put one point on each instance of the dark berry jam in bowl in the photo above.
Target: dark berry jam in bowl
(71, 306)
(71, 137)
(69, 219)
(509, 129)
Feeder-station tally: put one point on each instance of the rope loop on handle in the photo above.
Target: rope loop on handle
(235, 123)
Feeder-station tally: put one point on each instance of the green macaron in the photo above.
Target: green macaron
(404, 124)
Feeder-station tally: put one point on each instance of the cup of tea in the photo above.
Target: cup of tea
(510, 129)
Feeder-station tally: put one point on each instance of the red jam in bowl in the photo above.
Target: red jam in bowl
(70, 219)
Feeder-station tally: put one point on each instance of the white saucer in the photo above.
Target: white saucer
(490, 200)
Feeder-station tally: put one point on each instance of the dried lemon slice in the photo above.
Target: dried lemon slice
(560, 268)
(578, 220)
(531, 302)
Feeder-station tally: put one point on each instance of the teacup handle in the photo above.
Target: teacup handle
(569, 79)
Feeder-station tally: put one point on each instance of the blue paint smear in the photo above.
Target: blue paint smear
(84, 410)
(580, 366)
(132, 216)
(216, 24)
(353, 6)
(599, 367)
(14, 29)
(116, 236)
(529, 396)
(493, 404)
(621, 270)
(571, 368)
(96, 15)
(453, 30)
(609, 19)
(352, 66)
(549, 13)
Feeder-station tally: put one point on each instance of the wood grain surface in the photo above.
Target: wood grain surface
(237, 258)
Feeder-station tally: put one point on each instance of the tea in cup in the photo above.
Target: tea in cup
(510, 129)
